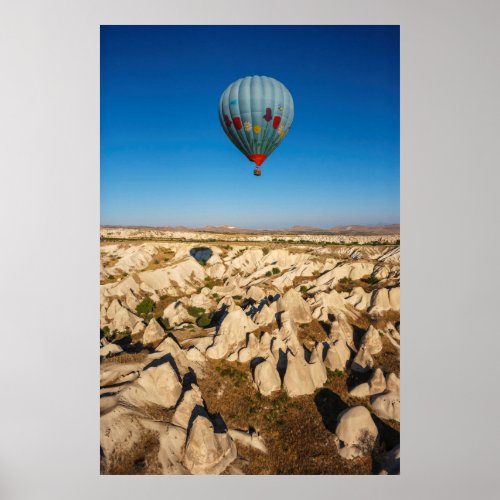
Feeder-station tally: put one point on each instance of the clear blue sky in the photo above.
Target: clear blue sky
(165, 159)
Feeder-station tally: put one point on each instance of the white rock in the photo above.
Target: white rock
(375, 385)
(372, 341)
(158, 384)
(266, 377)
(123, 320)
(153, 334)
(217, 271)
(356, 432)
(190, 399)
(296, 306)
(250, 350)
(317, 367)
(337, 355)
(207, 452)
(113, 309)
(255, 293)
(110, 350)
(384, 300)
(176, 314)
(253, 439)
(387, 404)
(297, 380)
(265, 315)
(363, 361)
(231, 334)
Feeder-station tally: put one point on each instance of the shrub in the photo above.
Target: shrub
(269, 273)
(237, 375)
(117, 336)
(303, 289)
(237, 297)
(195, 311)
(145, 306)
(164, 323)
(203, 321)
(276, 270)
(345, 281)
(265, 250)
(371, 280)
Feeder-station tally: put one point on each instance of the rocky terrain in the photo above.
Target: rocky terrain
(253, 357)
(363, 235)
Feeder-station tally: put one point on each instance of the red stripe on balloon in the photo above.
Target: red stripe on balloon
(237, 122)
(276, 121)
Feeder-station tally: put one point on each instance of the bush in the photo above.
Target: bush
(265, 250)
(303, 289)
(195, 311)
(276, 270)
(117, 336)
(371, 280)
(269, 273)
(105, 333)
(345, 281)
(203, 321)
(145, 306)
(164, 323)
(237, 297)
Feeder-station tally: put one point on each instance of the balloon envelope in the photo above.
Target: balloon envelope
(256, 113)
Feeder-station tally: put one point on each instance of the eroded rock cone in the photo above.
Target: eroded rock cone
(375, 385)
(363, 362)
(298, 380)
(387, 404)
(356, 433)
(191, 399)
(158, 384)
(153, 334)
(231, 334)
(372, 341)
(297, 307)
(337, 355)
(266, 377)
(317, 367)
(207, 452)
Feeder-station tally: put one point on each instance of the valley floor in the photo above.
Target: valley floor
(249, 358)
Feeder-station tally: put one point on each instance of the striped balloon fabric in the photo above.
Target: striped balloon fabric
(256, 113)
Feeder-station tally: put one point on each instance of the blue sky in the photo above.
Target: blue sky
(165, 159)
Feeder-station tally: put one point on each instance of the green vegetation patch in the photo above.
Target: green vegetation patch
(195, 312)
(145, 307)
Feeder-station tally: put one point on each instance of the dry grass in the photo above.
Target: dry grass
(160, 259)
(165, 300)
(388, 359)
(125, 357)
(293, 429)
(142, 459)
(380, 322)
(311, 333)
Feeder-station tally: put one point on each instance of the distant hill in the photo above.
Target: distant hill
(382, 229)
(366, 230)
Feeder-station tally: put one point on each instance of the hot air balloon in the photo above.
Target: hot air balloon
(256, 113)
